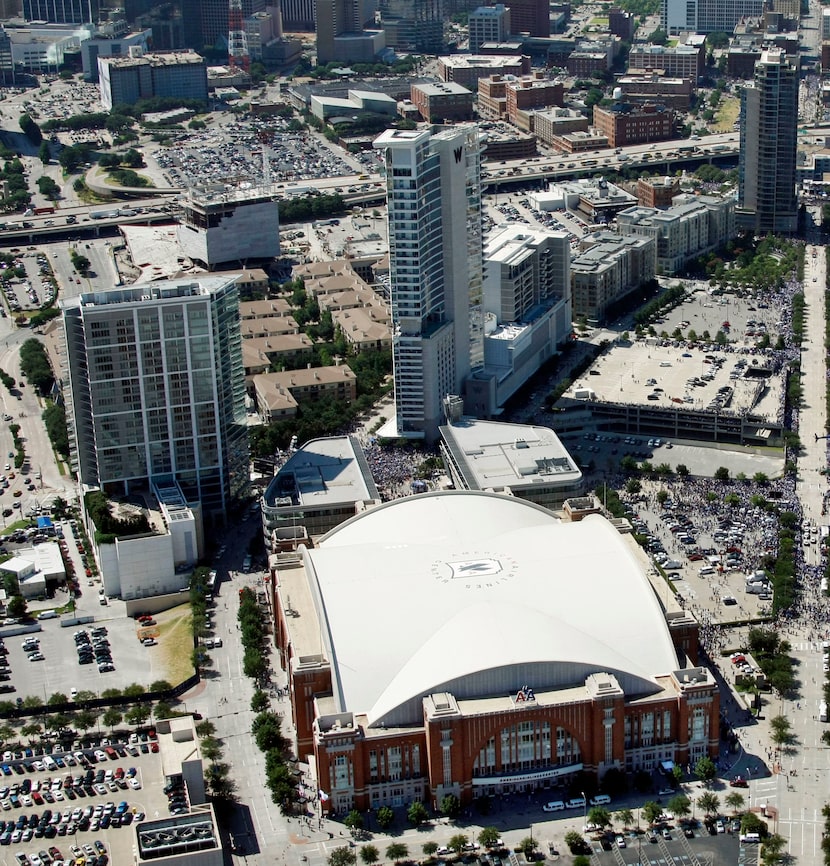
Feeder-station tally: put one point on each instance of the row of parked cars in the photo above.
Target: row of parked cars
(93, 855)
(93, 645)
(49, 824)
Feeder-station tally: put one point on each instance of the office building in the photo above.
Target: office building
(435, 265)
(446, 709)
(769, 127)
(340, 33)
(488, 24)
(467, 69)
(707, 16)
(125, 80)
(156, 392)
(530, 17)
(104, 45)
(61, 11)
(220, 225)
(413, 25)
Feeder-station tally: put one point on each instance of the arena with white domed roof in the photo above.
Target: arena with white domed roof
(471, 643)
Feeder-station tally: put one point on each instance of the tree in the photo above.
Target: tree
(429, 848)
(343, 856)
(111, 717)
(354, 822)
(599, 816)
(48, 187)
(133, 690)
(17, 607)
(259, 701)
(633, 486)
(30, 129)
(211, 749)
(624, 817)
(43, 153)
(709, 802)
(682, 470)
(30, 731)
(417, 814)
(528, 847)
(489, 837)
(85, 719)
(735, 801)
(217, 779)
(677, 774)
(137, 715)
(574, 841)
(205, 728)
(662, 496)
(781, 732)
(385, 816)
(369, 854)
(679, 805)
(772, 848)
(457, 842)
(450, 806)
(397, 851)
(57, 698)
(267, 733)
(722, 474)
(705, 770)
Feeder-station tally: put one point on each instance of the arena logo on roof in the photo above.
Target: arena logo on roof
(476, 567)
(524, 695)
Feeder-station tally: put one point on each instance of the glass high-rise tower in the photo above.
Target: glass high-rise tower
(157, 390)
(767, 201)
(433, 182)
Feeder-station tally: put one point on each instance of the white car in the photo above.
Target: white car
(134, 783)
(100, 755)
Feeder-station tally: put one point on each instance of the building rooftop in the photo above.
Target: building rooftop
(443, 88)
(330, 470)
(171, 58)
(188, 287)
(464, 565)
(497, 455)
(469, 61)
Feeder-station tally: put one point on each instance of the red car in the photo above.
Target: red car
(154, 746)
(739, 782)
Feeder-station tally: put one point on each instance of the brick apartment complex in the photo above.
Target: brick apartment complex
(445, 100)
(655, 86)
(625, 124)
(679, 61)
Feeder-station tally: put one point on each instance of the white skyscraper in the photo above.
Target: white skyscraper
(435, 249)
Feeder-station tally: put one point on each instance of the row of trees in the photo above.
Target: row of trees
(267, 726)
(85, 717)
(13, 176)
(488, 837)
(34, 362)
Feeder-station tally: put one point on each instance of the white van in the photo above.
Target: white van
(750, 837)
(600, 800)
(706, 571)
(49, 762)
(554, 806)
(47, 614)
(822, 711)
(575, 803)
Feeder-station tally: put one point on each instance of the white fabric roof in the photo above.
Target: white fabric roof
(475, 593)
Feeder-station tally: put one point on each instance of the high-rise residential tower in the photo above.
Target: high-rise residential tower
(769, 127)
(433, 181)
(157, 391)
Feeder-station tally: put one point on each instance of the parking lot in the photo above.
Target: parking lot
(62, 668)
(81, 801)
(37, 289)
(235, 150)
